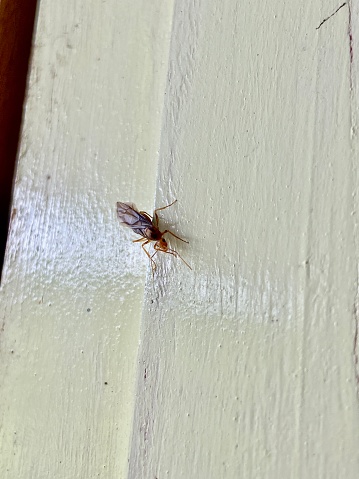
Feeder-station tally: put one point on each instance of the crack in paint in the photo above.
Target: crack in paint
(350, 36)
(330, 16)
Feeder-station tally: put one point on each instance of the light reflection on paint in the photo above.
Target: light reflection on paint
(74, 246)
(225, 295)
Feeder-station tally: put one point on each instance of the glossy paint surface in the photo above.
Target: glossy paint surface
(247, 365)
(72, 291)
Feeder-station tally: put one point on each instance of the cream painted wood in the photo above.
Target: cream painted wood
(72, 287)
(248, 364)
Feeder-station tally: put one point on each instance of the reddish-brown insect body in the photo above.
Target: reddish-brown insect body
(142, 224)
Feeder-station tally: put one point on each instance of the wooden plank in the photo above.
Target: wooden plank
(71, 297)
(247, 367)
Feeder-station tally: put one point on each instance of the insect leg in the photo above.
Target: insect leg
(164, 207)
(172, 252)
(170, 232)
(159, 209)
(177, 255)
(138, 240)
(153, 264)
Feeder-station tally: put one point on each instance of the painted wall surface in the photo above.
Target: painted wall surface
(71, 297)
(248, 364)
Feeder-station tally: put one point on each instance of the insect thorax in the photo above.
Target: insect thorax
(153, 234)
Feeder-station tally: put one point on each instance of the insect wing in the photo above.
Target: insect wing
(129, 216)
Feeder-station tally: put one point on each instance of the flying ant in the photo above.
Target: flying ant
(144, 225)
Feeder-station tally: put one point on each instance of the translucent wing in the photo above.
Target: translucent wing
(130, 217)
